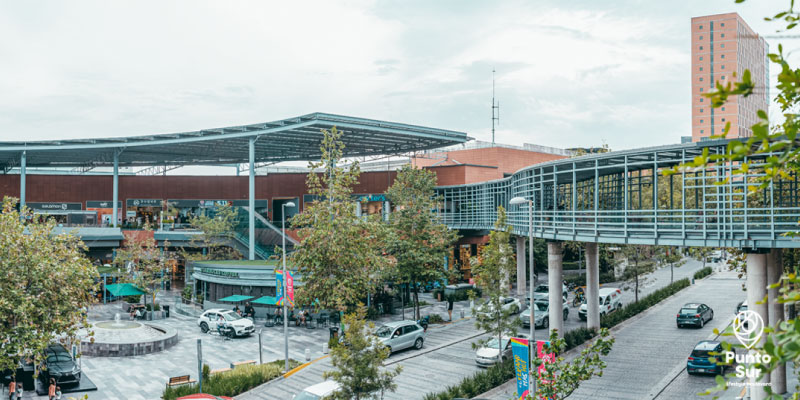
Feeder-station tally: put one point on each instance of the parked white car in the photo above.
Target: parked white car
(542, 291)
(491, 354)
(212, 318)
(399, 335)
(318, 391)
(506, 303)
(610, 301)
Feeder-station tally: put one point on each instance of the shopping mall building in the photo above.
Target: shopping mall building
(64, 180)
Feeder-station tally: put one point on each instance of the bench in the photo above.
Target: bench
(180, 380)
(240, 363)
(216, 371)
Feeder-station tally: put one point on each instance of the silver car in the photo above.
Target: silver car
(542, 314)
(401, 335)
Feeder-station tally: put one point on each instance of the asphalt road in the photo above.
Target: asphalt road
(650, 352)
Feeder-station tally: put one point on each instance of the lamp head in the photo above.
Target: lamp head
(289, 204)
(517, 201)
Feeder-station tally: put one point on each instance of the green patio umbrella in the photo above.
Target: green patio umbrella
(235, 298)
(267, 300)
(124, 289)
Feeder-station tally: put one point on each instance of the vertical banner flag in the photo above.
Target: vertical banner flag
(284, 288)
(519, 347)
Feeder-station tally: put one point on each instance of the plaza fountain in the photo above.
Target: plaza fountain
(119, 338)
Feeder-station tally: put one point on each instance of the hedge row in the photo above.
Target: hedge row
(231, 383)
(644, 303)
(703, 273)
(494, 376)
(580, 279)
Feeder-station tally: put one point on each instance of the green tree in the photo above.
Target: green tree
(561, 377)
(670, 255)
(143, 260)
(47, 285)
(701, 253)
(635, 255)
(492, 273)
(217, 232)
(416, 238)
(358, 364)
(340, 256)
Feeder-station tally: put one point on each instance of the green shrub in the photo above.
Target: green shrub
(570, 265)
(576, 337)
(435, 319)
(232, 383)
(206, 372)
(333, 342)
(186, 294)
(703, 273)
(149, 307)
(580, 279)
(133, 299)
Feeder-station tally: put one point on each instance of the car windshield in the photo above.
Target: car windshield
(383, 332)
(58, 357)
(304, 395)
(688, 311)
(540, 306)
(231, 316)
(492, 344)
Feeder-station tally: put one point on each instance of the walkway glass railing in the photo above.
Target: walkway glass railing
(267, 236)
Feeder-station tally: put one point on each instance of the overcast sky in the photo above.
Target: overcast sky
(569, 73)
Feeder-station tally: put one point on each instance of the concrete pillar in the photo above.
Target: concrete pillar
(554, 269)
(521, 281)
(756, 291)
(592, 286)
(775, 311)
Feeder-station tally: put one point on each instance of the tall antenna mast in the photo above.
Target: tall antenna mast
(495, 109)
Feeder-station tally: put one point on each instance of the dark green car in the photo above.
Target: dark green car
(696, 314)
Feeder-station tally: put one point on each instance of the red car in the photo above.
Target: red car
(203, 396)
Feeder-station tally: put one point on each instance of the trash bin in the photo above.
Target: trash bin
(166, 311)
(334, 331)
(167, 285)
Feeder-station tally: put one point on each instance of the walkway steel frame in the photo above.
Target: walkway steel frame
(610, 198)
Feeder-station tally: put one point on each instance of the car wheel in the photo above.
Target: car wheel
(712, 316)
(721, 370)
(566, 314)
(204, 327)
(545, 323)
(390, 349)
(680, 326)
(702, 323)
(418, 343)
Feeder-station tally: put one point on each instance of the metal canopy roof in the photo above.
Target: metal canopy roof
(294, 139)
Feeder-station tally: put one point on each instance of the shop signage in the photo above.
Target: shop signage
(54, 206)
(144, 202)
(217, 272)
(370, 197)
(184, 203)
(102, 204)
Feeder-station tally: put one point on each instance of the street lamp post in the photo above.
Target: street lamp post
(285, 317)
(532, 321)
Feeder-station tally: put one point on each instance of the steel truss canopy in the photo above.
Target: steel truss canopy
(293, 139)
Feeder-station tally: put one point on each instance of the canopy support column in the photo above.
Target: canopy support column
(252, 201)
(592, 286)
(115, 196)
(22, 166)
(555, 267)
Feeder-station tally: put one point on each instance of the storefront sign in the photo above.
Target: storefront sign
(184, 203)
(217, 272)
(144, 202)
(54, 206)
(102, 204)
(371, 197)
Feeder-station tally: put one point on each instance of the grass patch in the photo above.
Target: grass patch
(232, 383)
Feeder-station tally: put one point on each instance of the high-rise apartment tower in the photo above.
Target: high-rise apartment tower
(723, 47)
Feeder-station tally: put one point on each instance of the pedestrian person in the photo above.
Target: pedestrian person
(51, 390)
(19, 391)
(12, 388)
(450, 307)
(58, 392)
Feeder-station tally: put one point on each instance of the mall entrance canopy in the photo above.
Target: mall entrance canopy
(293, 139)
